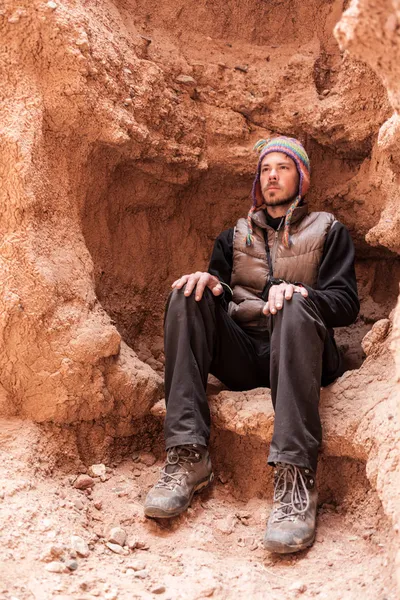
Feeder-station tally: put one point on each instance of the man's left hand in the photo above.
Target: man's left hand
(278, 294)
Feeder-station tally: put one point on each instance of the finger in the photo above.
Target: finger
(275, 298)
(201, 284)
(271, 300)
(217, 289)
(178, 283)
(191, 283)
(265, 309)
(301, 290)
(289, 291)
(279, 297)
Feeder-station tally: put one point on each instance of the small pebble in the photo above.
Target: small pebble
(226, 525)
(185, 79)
(98, 505)
(55, 567)
(72, 565)
(134, 544)
(97, 470)
(83, 482)
(160, 589)
(79, 504)
(80, 546)
(242, 68)
(148, 459)
(117, 536)
(142, 545)
(141, 574)
(116, 548)
(136, 565)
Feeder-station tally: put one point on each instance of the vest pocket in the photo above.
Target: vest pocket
(248, 311)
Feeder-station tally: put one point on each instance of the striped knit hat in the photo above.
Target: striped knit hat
(294, 149)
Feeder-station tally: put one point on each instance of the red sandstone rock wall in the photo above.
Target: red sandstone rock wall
(125, 147)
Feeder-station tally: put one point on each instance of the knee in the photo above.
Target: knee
(296, 311)
(298, 303)
(178, 301)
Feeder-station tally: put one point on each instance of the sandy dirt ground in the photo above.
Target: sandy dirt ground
(126, 139)
(215, 550)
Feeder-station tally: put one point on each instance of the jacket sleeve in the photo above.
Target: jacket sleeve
(221, 263)
(335, 293)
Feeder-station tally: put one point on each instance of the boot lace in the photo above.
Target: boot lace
(174, 470)
(291, 492)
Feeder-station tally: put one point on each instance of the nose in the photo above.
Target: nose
(273, 174)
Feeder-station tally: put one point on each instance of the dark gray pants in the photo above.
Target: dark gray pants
(294, 357)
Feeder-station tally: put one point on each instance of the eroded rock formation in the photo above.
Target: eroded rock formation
(125, 147)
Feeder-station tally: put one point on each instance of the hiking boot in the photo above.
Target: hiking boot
(291, 526)
(187, 470)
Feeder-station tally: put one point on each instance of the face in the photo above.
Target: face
(279, 179)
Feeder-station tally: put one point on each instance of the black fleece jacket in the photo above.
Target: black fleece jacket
(335, 293)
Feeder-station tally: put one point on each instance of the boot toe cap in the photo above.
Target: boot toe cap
(163, 504)
(286, 538)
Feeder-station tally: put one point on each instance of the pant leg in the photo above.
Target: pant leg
(199, 338)
(298, 340)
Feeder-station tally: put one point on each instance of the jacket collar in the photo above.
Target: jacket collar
(299, 213)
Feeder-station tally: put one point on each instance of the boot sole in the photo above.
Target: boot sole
(157, 513)
(279, 548)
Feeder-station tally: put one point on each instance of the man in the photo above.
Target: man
(262, 315)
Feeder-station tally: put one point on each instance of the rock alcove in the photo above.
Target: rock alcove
(125, 148)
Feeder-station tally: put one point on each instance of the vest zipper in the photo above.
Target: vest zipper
(275, 244)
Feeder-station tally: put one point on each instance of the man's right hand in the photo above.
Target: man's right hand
(199, 281)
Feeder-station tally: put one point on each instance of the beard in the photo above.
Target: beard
(271, 201)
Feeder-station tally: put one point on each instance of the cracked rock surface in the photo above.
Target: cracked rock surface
(126, 129)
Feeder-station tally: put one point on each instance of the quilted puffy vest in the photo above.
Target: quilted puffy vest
(299, 263)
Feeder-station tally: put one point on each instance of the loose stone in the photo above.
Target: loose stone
(242, 68)
(55, 567)
(141, 574)
(80, 546)
(83, 482)
(160, 589)
(72, 565)
(116, 548)
(79, 504)
(117, 536)
(136, 565)
(186, 80)
(148, 459)
(97, 470)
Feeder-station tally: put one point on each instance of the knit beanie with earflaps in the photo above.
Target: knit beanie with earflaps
(294, 149)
